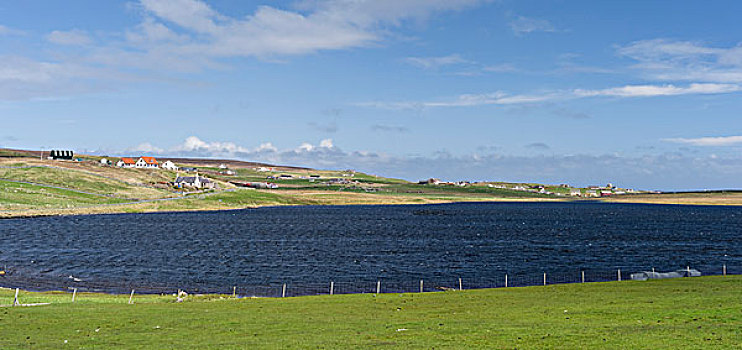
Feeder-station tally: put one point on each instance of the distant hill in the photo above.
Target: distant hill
(235, 164)
(206, 162)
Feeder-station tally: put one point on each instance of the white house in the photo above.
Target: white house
(169, 165)
(193, 182)
(147, 162)
(126, 163)
(575, 192)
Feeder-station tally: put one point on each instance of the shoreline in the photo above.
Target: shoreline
(173, 291)
(130, 208)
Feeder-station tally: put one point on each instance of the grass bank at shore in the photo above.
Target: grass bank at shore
(703, 312)
(32, 187)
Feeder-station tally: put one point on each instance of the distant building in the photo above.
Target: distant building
(197, 182)
(222, 166)
(104, 161)
(430, 181)
(59, 154)
(575, 192)
(261, 185)
(126, 163)
(189, 170)
(169, 165)
(147, 162)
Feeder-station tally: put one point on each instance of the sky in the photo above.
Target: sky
(641, 94)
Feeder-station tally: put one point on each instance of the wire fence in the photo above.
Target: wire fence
(364, 286)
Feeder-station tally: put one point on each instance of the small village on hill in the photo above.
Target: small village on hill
(61, 182)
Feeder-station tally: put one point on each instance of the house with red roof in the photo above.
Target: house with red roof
(147, 162)
(126, 163)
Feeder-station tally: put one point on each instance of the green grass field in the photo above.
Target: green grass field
(686, 313)
(80, 180)
(18, 196)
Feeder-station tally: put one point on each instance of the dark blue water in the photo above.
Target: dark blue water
(476, 242)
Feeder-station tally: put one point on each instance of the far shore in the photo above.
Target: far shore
(330, 198)
(33, 187)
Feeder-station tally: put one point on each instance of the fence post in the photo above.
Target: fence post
(234, 292)
(687, 268)
(544, 278)
(653, 271)
(619, 274)
(724, 270)
(506, 280)
(461, 286)
(283, 292)
(15, 300)
(74, 293)
(131, 297)
(378, 287)
(583, 276)
(421, 286)
(332, 288)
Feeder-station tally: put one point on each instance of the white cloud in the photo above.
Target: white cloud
(708, 141)
(667, 59)
(189, 36)
(659, 90)
(194, 144)
(152, 32)
(146, 147)
(466, 100)
(305, 147)
(73, 37)
(326, 143)
(524, 25)
(22, 78)
(10, 31)
(324, 25)
(266, 147)
(190, 14)
(435, 62)
(500, 68)
(502, 98)
(373, 12)
(21, 70)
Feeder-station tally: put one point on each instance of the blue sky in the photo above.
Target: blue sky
(639, 93)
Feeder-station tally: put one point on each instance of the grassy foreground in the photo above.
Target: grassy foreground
(704, 312)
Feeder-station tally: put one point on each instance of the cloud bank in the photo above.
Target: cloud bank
(177, 36)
